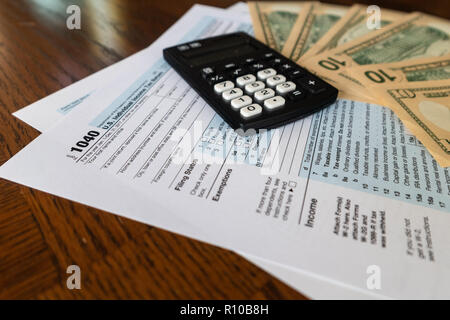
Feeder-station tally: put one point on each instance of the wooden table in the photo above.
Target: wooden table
(40, 234)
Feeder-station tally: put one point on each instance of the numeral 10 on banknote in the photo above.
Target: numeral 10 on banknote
(379, 76)
(331, 64)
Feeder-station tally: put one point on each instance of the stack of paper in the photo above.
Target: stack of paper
(343, 204)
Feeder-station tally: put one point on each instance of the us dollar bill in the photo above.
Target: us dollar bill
(273, 21)
(425, 69)
(352, 26)
(311, 25)
(424, 109)
(416, 36)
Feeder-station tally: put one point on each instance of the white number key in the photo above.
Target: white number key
(274, 103)
(240, 102)
(245, 79)
(264, 74)
(223, 86)
(274, 80)
(285, 87)
(255, 86)
(232, 94)
(251, 111)
(264, 94)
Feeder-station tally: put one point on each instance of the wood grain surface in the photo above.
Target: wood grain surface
(40, 234)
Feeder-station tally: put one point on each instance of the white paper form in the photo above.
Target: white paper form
(52, 108)
(310, 286)
(340, 217)
(58, 104)
(55, 106)
(239, 7)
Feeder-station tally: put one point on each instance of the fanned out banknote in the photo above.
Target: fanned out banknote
(351, 26)
(312, 24)
(409, 52)
(273, 21)
(425, 69)
(415, 36)
(424, 108)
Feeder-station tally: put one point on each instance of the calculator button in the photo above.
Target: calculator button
(257, 66)
(274, 103)
(183, 47)
(296, 95)
(268, 55)
(223, 86)
(275, 62)
(216, 78)
(266, 73)
(249, 61)
(311, 84)
(230, 66)
(276, 79)
(195, 44)
(207, 72)
(255, 86)
(285, 87)
(286, 67)
(251, 111)
(246, 79)
(240, 102)
(232, 94)
(237, 72)
(264, 94)
(296, 73)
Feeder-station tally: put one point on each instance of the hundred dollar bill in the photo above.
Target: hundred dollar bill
(416, 36)
(311, 25)
(273, 21)
(424, 108)
(352, 26)
(425, 69)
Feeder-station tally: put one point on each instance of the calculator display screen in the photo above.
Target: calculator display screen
(207, 58)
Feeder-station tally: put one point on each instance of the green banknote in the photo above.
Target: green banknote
(273, 21)
(416, 36)
(424, 108)
(425, 69)
(312, 24)
(352, 26)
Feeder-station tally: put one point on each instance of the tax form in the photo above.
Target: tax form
(47, 111)
(338, 194)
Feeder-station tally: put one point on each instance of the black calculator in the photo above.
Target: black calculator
(247, 83)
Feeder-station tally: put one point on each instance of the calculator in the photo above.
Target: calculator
(247, 83)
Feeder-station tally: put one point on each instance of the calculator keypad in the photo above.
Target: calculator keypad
(274, 80)
(244, 80)
(266, 73)
(285, 87)
(241, 102)
(312, 85)
(216, 78)
(232, 94)
(250, 85)
(274, 103)
(257, 66)
(251, 111)
(264, 94)
(255, 86)
(223, 86)
(270, 82)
